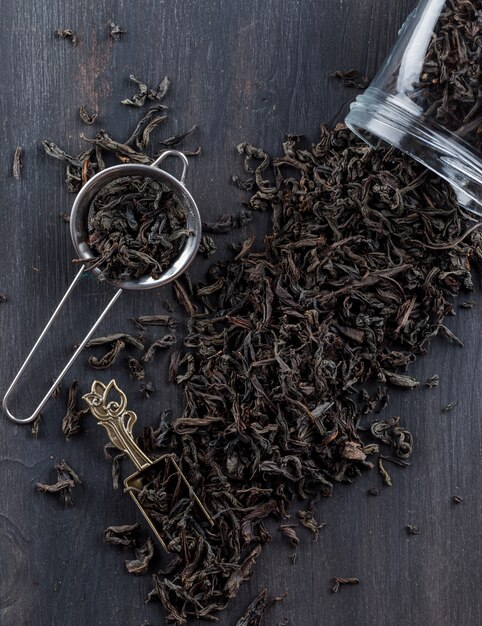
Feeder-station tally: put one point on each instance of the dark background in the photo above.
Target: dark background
(247, 70)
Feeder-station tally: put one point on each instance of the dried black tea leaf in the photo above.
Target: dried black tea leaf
(146, 389)
(433, 381)
(57, 392)
(448, 407)
(395, 460)
(447, 333)
(71, 421)
(373, 491)
(67, 33)
(255, 611)
(78, 168)
(115, 459)
(167, 341)
(352, 78)
(151, 113)
(246, 185)
(307, 519)
(35, 428)
(86, 117)
(176, 139)
(113, 338)
(121, 535)
(109, 357)
(184, 299)
(161, 90)
(154, 320)
(66, 483)
(387, 479)
(17, 162)
(393, 434)
(337, 582)
(115, 31)
(135, 368)
(411, 529)
(67, 479)
(290, 533)
(140, 564)
(139, 98)
(457, 499)
(123, 152)
(207, 246)
(399, 380)
(224, 224)
(145, 139)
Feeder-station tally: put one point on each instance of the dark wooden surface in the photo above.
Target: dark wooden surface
(243, 70)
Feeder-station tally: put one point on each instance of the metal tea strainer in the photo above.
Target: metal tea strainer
(79, 234)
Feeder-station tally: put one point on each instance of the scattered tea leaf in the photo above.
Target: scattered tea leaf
(255, 611)
(146, 389)
(161, 90)
(154, 320)
(108, 358)
(433, 381)
(139, 98)
(307, 519)
(136, 369)
(85, 117)
(121, 535)
(35, 428)
(338, 582)
(71, 422)
(176, 139)
(448, 407)
(113, 338)
(163, 343)
(17, 162)
(67, 479)
(140, 564)
(115, 31)
(352, 78)
(385, 475)
(67, 33)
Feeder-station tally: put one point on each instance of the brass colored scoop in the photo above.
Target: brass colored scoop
(113, 416)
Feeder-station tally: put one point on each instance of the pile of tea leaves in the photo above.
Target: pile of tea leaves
(356, 277)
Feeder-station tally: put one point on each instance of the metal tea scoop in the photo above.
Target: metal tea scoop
(108, 404)
(79, 234)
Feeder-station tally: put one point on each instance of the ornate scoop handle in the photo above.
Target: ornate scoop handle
(108, 404)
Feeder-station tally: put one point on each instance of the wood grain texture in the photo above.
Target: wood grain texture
(244, 71)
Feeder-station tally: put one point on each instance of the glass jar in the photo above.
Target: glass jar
(427, 98)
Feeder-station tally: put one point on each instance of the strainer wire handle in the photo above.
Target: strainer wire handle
(69, 363)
